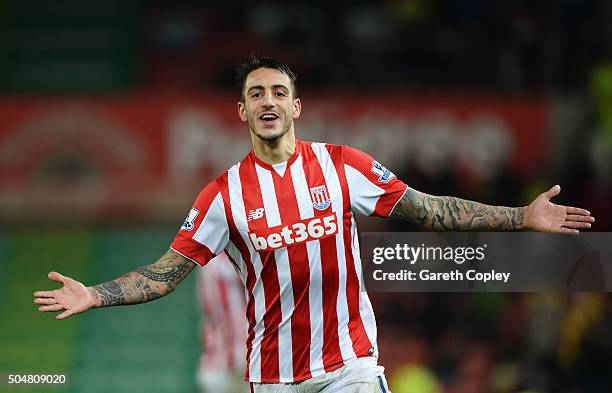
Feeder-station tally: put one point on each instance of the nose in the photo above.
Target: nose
(267, 99)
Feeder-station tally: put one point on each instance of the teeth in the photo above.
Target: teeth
(268, 117)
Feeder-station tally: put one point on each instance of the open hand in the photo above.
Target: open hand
(72, 298)
(545, 216)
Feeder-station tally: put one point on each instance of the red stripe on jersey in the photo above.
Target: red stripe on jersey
(238, 241)
(332, 356)
(202, 256)
(300, 278)
(361, 342)
(252, 197)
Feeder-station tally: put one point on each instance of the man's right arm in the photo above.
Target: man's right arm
(144, 284)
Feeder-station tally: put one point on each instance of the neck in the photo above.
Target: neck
(274, 152)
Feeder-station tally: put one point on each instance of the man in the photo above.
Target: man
(284, 215)
(223, 328)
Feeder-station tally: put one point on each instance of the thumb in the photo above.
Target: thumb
(55, 276)
(553, 192)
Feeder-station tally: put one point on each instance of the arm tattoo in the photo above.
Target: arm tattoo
(169, 275)
(455, 214)
(146, 283)
(110, 293)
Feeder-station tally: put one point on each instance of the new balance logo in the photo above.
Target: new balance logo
(302, 231)
(255, 214)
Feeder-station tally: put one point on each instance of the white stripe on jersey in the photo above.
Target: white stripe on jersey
(313, 247)
(369, 192)
(281, 256)
(234, 253)
(333, 186)
(365, 307)
(215, 213)
(240, 219)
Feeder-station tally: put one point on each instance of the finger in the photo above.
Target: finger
(45, 300)
(55, 276)
(568, 231)
(44, 294)
(553, 192)
(64, 315)
(577, 210)
(53, 307)
(575, 217)
(577, 225)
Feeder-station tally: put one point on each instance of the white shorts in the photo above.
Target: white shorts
(362, 375)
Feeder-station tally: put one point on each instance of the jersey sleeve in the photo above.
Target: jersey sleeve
(374, 190)
(205, 233)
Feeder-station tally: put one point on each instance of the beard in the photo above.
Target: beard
(269, 137)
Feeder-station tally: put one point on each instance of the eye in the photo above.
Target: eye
(281, 94)
(255, 95)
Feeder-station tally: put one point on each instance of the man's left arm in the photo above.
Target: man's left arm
(445, 213)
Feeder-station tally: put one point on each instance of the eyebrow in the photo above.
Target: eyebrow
(260, 87)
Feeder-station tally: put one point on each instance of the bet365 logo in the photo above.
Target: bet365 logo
(302, 231)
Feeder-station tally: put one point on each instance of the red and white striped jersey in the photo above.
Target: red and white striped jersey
(223, 327)
(290, 230)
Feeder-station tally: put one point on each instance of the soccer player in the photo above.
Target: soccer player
(285, 216)
(223, 330)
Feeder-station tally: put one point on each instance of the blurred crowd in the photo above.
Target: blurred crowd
(423, 44)
(496, 343)
(407, 44)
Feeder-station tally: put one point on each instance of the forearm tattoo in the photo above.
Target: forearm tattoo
(110, 293)
(145, 283)
(454, 214)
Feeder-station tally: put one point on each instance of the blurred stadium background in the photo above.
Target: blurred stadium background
(113, 114)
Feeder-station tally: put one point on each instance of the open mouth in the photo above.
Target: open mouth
(268, 117)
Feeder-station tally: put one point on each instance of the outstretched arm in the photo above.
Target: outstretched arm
(139, 286)
(454, 214)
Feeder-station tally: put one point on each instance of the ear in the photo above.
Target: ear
(297, 108)
(242, 111)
